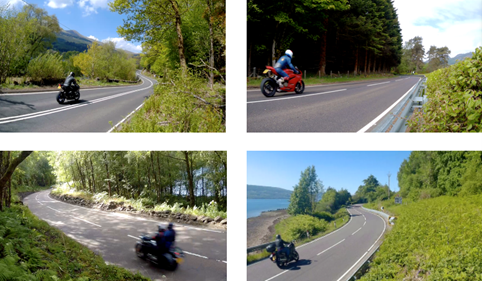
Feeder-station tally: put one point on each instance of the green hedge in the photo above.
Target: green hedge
(455, 99)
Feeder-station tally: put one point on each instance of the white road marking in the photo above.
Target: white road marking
(278, 274)
(54, 209)
(122, 121)
(384, 227)
(377, 84)
(196, 255)
(330, 247)
(134, 237)
(86, 221)
(209, 230)
(57, 110)
(356, 231)
(297, 97)
(364, 217)
(399, 80)
(374, 121)
(364, 223)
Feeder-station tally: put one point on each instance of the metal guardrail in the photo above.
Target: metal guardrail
(396, 120)
(259, 247)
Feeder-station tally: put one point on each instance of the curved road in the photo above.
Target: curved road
(113, 236)
(344, 107)
(97, 111)
(333, 257)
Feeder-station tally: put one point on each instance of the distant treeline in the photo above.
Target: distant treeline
(332, 35)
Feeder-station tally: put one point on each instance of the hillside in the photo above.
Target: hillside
(459, 57)
(267, 192)
(432, 239)
(71, 40)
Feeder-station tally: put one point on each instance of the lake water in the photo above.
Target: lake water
(256, 206)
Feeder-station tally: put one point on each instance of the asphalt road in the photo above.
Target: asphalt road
(333, 257)
(345, 107)
(97, 110)
(113, 235)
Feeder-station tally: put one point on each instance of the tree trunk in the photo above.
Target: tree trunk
(249, 58)
(159, 186)
(155, 176)
(107, 170)
(366, 60)
(323, 47)
(93, 176)
(9, 172)
(180, 40)
(374, 64)
(190, 178)
(82, 179)
(369, 61)
(273, 52)
(211, 51)
(356, 61)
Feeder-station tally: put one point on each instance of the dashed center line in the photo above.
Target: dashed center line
(331, 247)
(356, 231)
(377, 84)
(86, 221)
(296, 97)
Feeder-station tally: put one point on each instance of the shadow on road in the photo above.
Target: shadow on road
(12, 102)
(297, 265)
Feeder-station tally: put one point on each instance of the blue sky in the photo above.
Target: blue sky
(90, 18)
(456, 24)
(346, 169)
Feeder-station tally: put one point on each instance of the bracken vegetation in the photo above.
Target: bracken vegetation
(455, 99)
(436, 239)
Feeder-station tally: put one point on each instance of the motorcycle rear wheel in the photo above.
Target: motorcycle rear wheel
(269, 87)
(61, 98)
(300, 87)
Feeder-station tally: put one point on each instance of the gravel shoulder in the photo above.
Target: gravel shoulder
(261, 229)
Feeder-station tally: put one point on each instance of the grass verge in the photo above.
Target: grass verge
(328, 80)
(30, 249)
(81, 81)
(281, 228)
(433, 239)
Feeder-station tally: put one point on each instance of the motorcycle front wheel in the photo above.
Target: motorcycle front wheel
(61, 98)
(296, 256)
(300, 87)
(268, 87)
(139, 252)
(77, 96)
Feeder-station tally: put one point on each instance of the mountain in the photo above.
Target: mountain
(267, 192)
(71, 40)
(459, 57)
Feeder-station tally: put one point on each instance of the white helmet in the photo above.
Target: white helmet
(289, 53)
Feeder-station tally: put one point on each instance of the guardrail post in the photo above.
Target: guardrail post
(331, 74)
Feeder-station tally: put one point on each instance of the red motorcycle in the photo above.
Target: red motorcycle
(270, 85)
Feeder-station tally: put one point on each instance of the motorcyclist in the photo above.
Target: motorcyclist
(283, 63)
(160, 240)
(170, 236)
(70, 82)
(280, 244)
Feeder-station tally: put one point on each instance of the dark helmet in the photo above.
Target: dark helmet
(72, 74)
(278, 236)
(170, 225)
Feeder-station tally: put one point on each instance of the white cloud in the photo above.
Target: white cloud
(121, 43)
(60, 4)
(91, 6)
(93, 38)
(456, 24)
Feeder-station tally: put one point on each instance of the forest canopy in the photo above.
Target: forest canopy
(333, 35)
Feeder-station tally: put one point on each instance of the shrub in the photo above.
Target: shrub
(46, 68)
(295, 227)
(181, 103)
(455, 99)
(324, 216)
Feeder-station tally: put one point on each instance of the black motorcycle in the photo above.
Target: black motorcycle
(146, 248)
(280, 257)
(67, 93)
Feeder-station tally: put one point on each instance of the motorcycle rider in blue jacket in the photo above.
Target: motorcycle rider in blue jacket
(283, 63)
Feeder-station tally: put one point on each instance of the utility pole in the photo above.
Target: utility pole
(388, 191)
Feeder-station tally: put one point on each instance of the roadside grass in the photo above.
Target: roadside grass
(30, 249)
(209, 210)
(282, 228)
(433, 239)
(181, 103)
(315, 80)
